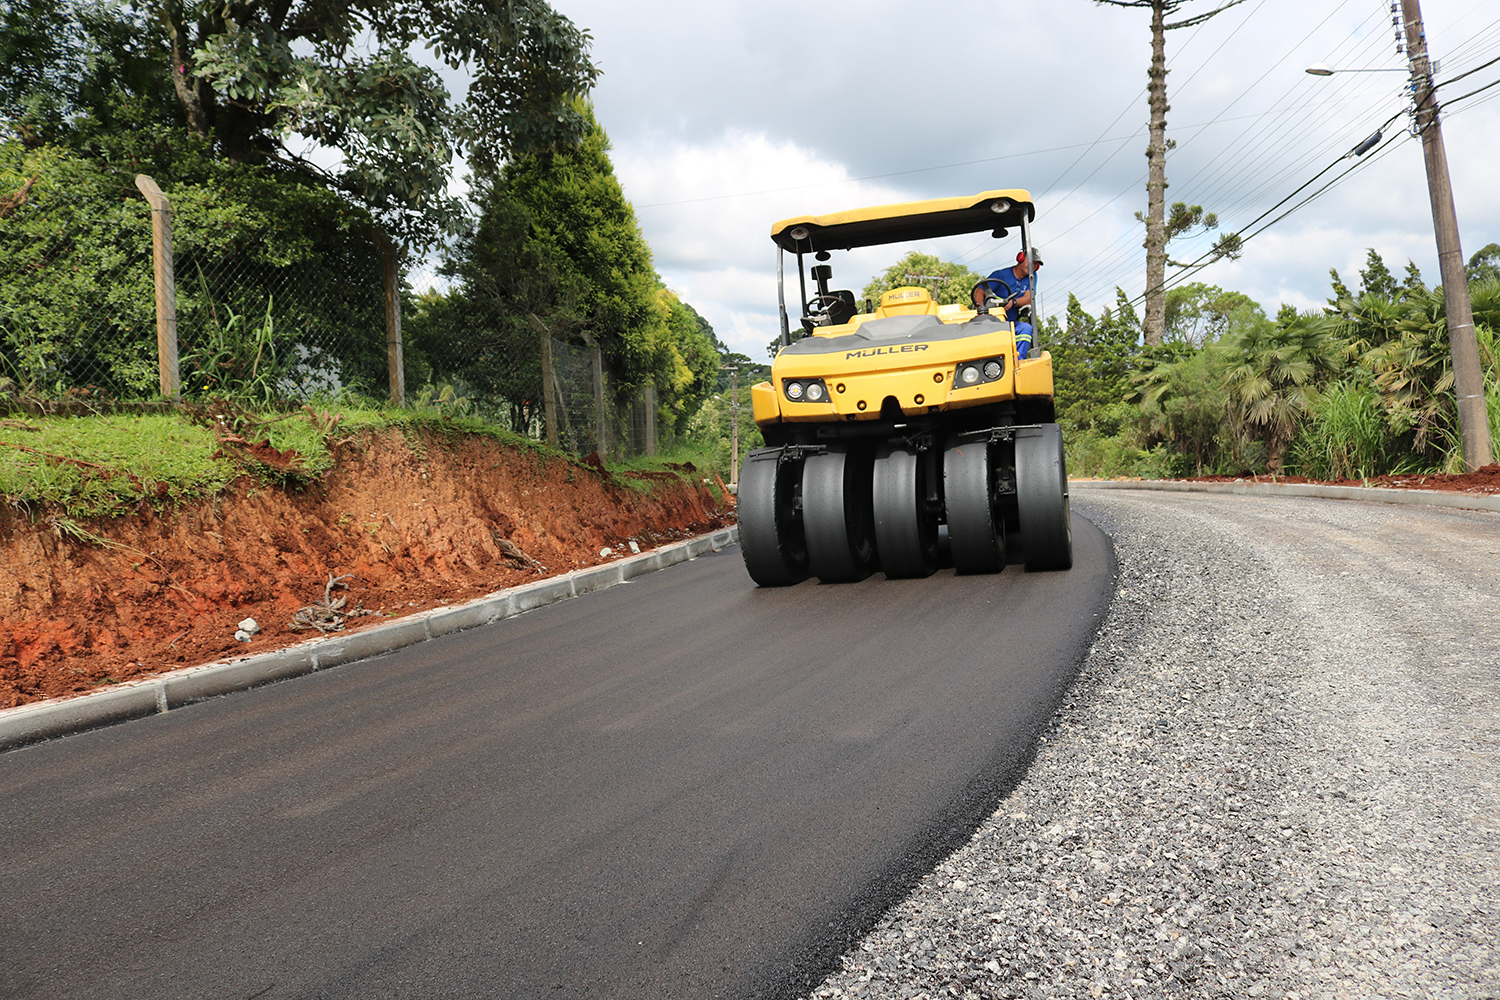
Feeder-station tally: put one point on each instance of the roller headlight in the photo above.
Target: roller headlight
(806, 390)
(973, 373)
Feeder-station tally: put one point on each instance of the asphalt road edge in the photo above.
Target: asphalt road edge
(1419, 498)
(27, 724)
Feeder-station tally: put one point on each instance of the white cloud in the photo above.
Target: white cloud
(745, 113)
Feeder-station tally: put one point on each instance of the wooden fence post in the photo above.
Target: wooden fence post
(391, 280)
(166, 287)
(549, 402)
(651, 418)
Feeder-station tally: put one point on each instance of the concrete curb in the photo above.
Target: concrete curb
(137, 699)
(1418, 498)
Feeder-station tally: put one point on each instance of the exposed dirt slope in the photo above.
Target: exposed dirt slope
(410, 520)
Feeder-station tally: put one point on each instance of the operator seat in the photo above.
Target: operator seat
(844, 308)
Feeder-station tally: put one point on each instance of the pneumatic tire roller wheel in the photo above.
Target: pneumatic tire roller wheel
(772, 539)
(838, 513)
(1042, 498)
(977, 537)
(906, 532)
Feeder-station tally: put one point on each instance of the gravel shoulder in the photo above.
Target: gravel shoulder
(1278, 775)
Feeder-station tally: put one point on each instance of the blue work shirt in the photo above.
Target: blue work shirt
(1010, 286)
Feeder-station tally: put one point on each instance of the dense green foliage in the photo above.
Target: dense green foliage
(277, 279)
(557, 250)
(948, 282)
(1362, 388)
(265, 82)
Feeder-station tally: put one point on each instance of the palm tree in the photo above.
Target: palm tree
(1273, 373)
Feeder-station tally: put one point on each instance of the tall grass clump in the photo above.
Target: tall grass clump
(1347, 436)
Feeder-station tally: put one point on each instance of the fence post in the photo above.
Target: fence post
(166, 287)
(549, 402)
(391, 280)
(651, 418)
(603, 420)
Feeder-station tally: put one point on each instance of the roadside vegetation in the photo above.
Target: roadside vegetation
(103, 465)
(1360, 388)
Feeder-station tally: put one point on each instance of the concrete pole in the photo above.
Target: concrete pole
(391, 282)
(166, 288)
(1468, 380)
(602, 420)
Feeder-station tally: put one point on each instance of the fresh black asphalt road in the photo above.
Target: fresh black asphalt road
(679, 787)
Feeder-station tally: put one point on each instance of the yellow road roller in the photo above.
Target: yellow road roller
(885, 422)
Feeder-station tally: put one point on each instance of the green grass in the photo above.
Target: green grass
(109, 465)
(127, 457)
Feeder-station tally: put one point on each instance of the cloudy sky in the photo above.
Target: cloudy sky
(730, 115)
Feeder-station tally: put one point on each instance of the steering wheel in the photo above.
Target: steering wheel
(820, 304)
(989, 295)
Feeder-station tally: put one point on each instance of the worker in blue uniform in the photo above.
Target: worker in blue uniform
(1014, 284)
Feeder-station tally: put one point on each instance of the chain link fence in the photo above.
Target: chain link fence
(77, 312)
(263, 315)
(254, 324)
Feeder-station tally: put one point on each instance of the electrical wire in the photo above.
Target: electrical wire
(1249, 232)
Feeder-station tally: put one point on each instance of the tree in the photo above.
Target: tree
(1198, 313)
(1180, 392)
(580, 216)
(557, 249)
(949, 283)
(1091, 360)
(1157, 231)
(1273, 374)
(73, 73)
(1484, 266)
(1376, 278)
(254, 76)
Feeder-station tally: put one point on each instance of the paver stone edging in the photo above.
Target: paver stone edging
(136, 699)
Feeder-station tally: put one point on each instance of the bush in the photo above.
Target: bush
(1346, 437)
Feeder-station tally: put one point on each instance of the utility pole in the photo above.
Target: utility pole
(1468, 382)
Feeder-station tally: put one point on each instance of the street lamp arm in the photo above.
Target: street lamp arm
(1321, 69)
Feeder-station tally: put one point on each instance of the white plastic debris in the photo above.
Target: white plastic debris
(605, 552)
(635, 548)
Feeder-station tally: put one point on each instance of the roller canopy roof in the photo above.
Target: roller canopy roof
(912, 220)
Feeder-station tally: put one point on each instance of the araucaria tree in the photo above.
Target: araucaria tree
(1157, 230)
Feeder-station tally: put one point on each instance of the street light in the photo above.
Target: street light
(1319, 69)
(1468, 381)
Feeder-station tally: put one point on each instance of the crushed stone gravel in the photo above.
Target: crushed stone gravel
(1276, 775)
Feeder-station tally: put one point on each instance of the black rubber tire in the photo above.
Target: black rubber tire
(977, 537)
(1042, 498)
(906, 533)
(838, 514)
(772, 539)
